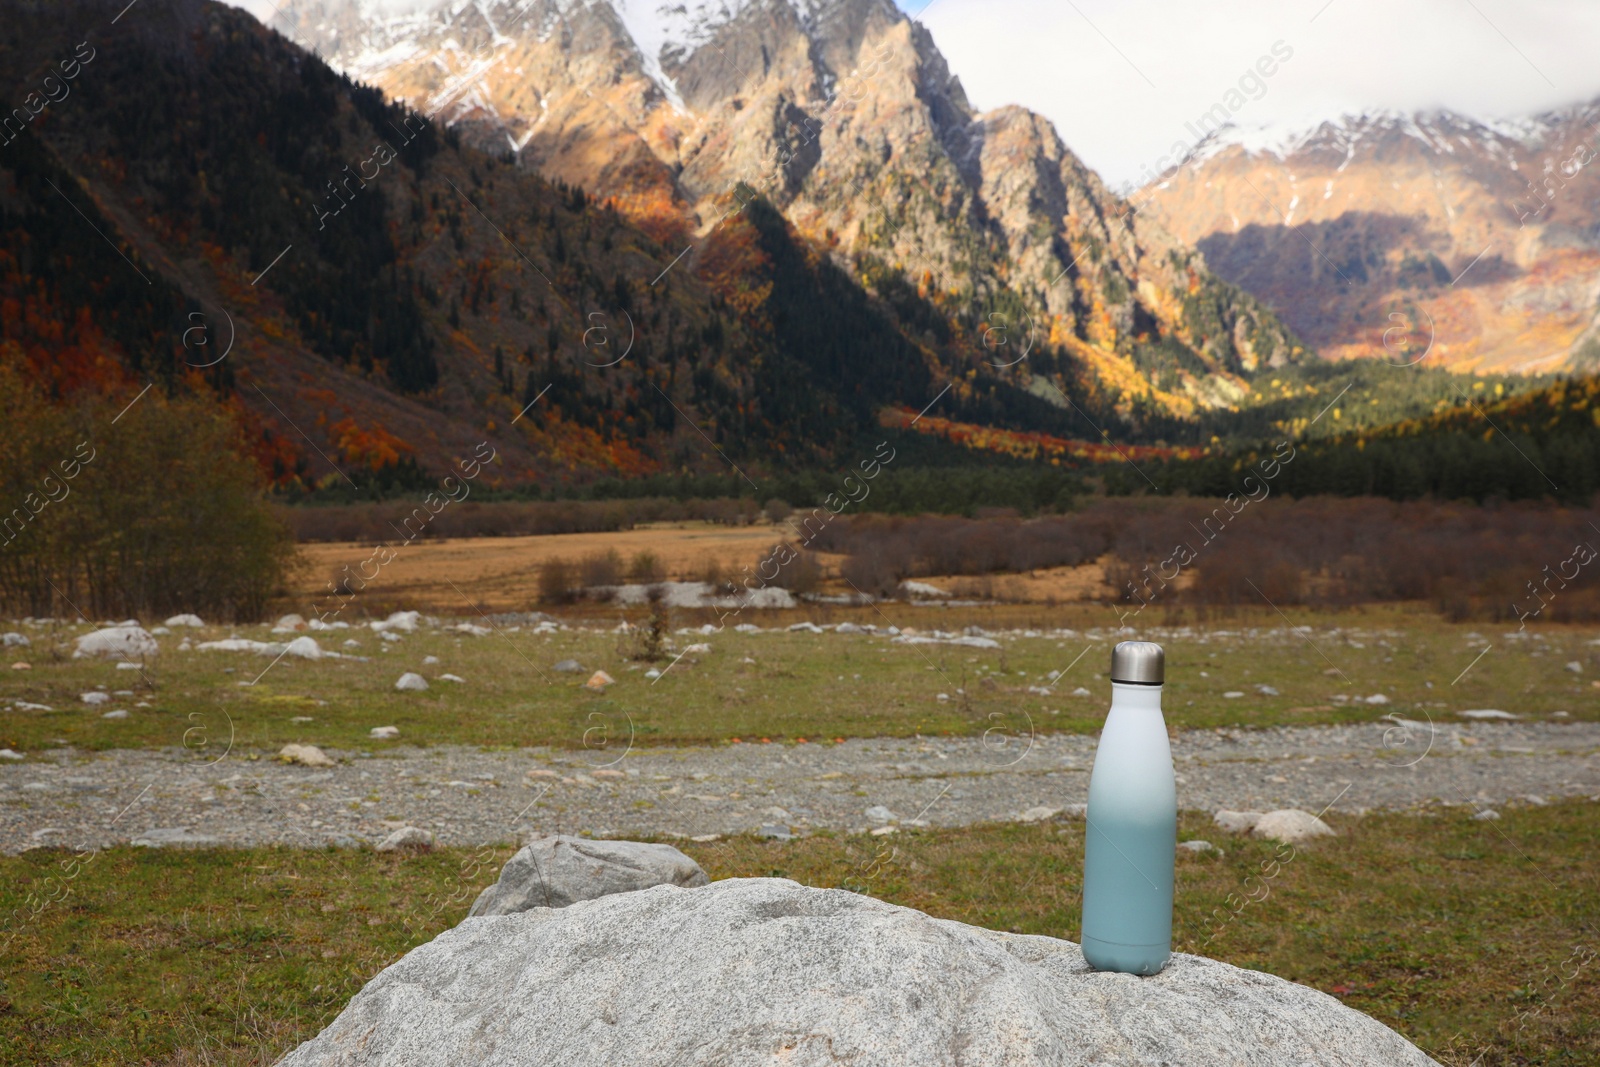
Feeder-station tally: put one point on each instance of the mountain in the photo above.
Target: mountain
(1409, 237)
(844, 115)
(189, 201)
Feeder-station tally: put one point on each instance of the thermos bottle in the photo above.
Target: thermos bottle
(1132, 831)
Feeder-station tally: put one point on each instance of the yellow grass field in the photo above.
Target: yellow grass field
(460, 575)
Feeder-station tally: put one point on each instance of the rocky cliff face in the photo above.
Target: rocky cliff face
(1409, 236)
(845, 115)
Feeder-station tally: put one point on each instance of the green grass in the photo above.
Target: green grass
(1458, 934)
(798, 685)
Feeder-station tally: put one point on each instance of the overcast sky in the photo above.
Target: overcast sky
(1121, 78)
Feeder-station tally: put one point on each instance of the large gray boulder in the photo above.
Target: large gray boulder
(555, 871)
(765, 971)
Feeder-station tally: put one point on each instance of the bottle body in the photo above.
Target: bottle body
(1131, 838)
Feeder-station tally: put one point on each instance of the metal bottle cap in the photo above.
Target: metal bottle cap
(1138, 662)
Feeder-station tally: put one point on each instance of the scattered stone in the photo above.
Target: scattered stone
(1377, 698)
(404, 621)
(304, 648)
(697, 650)
(1266, 690)
(389, 635)
(429, 661)
(1038, 814)
(1197, 846)
(6, 753)
(289, 624)
(1487, 815)
(95, 698)
(453, 678)
(880, 814)
(301, 718)
(568, 666)
(884, 831)
(384, 733)
(1536, 800)
(472, 629)
(184, 620)
(14, 640)
(1081, 692)
(22, 666)
(1485, 714)
(774, 832)
(411, 682)
(121, 641)
(705, 839)
(806, 627)
(762, 970)
(1236, 822)
(1233, 694)
(117, 714)
(781, 814)
(343, 841)
(1575, 667)
(556, 870)
(408, 837)
(174, 837)
(305, 755)
(652, 674)
(598, 681)
(1291, 826)
(943, 698)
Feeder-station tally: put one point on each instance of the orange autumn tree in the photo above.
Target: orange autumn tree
(374, 448)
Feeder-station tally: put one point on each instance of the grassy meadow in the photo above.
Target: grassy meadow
(1477, 943)
(786, 686)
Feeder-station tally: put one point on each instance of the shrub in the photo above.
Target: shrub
(601, 568)
(164, 510)
(557, 582)
(646, 566)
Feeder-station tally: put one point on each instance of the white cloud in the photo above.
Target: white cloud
(1121, 78)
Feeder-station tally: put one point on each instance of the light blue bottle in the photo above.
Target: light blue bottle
(1132, 833)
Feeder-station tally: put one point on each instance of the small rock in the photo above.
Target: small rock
(1198, 846)
(305, 755)
(301, 718)
(697, 650)
(942, 697)
(1266, 690)
(384, 733)
(117, 714)
(705, 839)
(774, 832)
(652, 674)
(780, 814)
(408, 837)
(1081, 692)
(1487, 815)
(130, 666)
(184, 620)
(880, 814)
(1236, 822)
(428, 661)
(1291, 826)
(1536, 800)
(14, 640)
(1484, 714)
(1377, 698)
(6, 753)
(598, 681)
(568, 666)
(411, 682)
(1038, 814)
(884, 831)
(1575, 667)
(289, 624)
(122, 642)
(389, 635)
(1233, 694)
(453, 678)
(94, 698)
(343, 841)
(22, 666)
(555, 870)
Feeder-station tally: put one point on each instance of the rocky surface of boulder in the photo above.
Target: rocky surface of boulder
(555, 871)
(765, 971)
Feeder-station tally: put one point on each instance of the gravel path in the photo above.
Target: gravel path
(469, 797)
